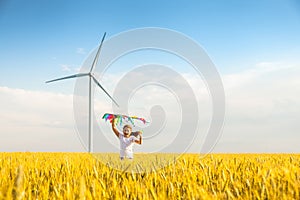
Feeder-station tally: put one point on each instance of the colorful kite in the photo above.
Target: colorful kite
(119, 118)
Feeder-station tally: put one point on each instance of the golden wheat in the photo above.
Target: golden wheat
(83, 176)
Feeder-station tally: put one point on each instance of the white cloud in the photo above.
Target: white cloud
(262, 109)
(80, 51)
(262, 112)
(65, 67)
(70, 68)
(36, 121)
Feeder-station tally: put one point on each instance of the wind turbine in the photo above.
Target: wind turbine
(91, 77)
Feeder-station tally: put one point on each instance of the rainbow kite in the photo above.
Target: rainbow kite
(119, 118)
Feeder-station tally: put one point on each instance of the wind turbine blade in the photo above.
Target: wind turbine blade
(95, 80)
(67, 77)
(97, 55)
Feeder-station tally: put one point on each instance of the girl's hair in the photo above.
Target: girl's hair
(127, 126)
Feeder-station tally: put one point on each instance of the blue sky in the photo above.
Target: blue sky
(236, 34)
(41, 40)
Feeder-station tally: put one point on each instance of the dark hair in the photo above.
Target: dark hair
(127, 126)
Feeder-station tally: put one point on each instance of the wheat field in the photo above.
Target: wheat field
(85, 176)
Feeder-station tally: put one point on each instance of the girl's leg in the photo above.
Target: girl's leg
(129, 154)
(122, 154)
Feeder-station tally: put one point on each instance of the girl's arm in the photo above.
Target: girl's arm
(140, 140)
(115, 130)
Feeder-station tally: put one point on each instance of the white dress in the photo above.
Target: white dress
(126, 146)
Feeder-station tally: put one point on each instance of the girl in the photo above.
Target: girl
(127, 140)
